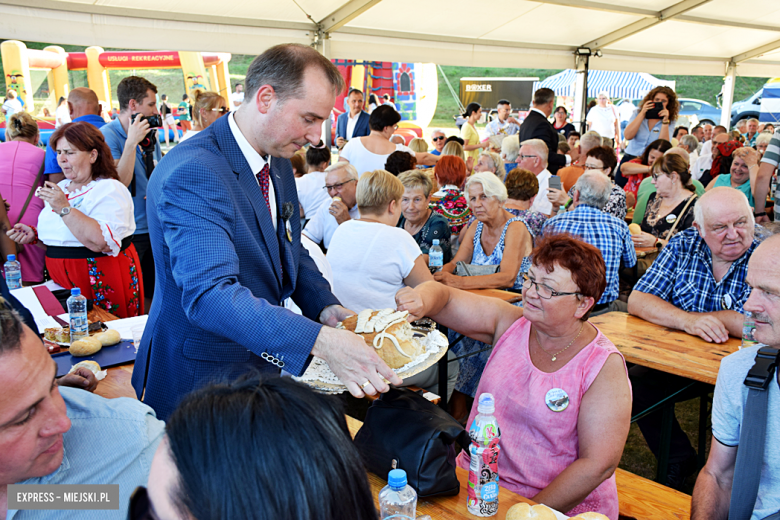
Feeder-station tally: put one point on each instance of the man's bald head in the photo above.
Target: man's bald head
(725, 221)
(83, 102)
(681, 152)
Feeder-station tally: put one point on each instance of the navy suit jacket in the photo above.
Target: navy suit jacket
(222, 273)
(361, 127)
(536, 126)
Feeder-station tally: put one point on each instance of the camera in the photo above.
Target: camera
(155, 121)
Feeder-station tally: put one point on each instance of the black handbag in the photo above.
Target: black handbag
(405, 429)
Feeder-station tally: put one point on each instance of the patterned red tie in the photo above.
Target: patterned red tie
(264, 178)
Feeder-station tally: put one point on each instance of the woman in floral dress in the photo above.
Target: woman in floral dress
(449, 201)
(87, 223)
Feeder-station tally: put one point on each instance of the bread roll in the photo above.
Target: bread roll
(85, 347)
(108, 338)
(589, 516)
(88, 364)
(525, 511)
(635, 229)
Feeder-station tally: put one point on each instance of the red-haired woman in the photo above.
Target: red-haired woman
(87, 224)
(449, 201)
(562, 394)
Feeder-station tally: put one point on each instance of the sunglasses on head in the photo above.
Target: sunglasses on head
(440, 138)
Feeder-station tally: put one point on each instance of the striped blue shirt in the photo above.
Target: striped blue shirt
(610, 236)
(682, 275)
(110, 441)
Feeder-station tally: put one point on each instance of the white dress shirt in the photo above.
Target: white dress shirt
(255, 160)
(351, 122)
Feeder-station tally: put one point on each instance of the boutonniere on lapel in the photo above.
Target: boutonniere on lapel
(287, 213)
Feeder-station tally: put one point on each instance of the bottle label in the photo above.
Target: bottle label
(482, 490)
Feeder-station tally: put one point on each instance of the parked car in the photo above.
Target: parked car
(704, 112)
(747, 108)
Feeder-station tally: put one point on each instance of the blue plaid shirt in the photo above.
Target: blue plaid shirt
(609, 234)
(682, 275)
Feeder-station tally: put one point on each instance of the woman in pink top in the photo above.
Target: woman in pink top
(563, 400)
(20, 162)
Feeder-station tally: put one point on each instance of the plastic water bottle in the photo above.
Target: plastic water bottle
(77, 308)
(13, 273)
(435, 257)
(483, 471)
(397, 500)
(748, 329)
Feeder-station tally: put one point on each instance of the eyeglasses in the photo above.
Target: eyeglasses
(337, 186)
(544, 291)
(594, 167)
(440, 138)
(140, 507)
(529, 156)
(655, 175)
(221, 110)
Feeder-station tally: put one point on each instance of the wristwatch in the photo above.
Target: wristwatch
(64, 211)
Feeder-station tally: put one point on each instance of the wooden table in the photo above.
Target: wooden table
(641, 252)
(443, 508)
(669, 350)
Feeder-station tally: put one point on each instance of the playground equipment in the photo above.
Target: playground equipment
(18, 60)
(413, 86)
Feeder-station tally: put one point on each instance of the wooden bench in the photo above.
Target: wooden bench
(647, 500)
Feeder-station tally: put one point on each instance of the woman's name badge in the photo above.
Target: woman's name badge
(557, 399)
(671, 218)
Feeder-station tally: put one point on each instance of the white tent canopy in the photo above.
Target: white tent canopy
(616, 84)
(694, 37)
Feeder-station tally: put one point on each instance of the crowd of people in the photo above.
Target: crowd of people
(247, 243)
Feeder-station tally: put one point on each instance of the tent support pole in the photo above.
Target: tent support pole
(728, 94)
(582, 60)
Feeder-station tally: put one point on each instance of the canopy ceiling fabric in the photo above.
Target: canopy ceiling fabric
(631, 85)
(694, 37)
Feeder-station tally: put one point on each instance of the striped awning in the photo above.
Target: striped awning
(630, 85)
(770, 102)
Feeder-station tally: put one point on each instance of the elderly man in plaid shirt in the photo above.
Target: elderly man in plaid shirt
(697, 284)
(608, 233)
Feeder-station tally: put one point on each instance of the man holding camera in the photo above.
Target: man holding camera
(712, 496)
(132, 138)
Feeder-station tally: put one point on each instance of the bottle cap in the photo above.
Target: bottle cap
(396, 478)
(75, 291)
(435, 242)
(11, 258)
(486, 404)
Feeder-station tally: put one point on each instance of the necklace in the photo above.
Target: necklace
(555, 356)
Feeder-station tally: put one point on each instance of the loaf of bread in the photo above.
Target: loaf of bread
(635, 229)
(108, 338)
(389, 333)
(525, 511)
(590, 516)
(85, 347)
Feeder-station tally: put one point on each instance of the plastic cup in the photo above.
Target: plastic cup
(138, 333)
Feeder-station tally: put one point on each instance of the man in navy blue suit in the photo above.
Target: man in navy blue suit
(353, 123)
(225, 229)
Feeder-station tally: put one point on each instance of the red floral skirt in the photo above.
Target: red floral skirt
(114, 283)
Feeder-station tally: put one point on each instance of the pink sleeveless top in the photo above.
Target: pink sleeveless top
(20, 163)
(537, 444)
